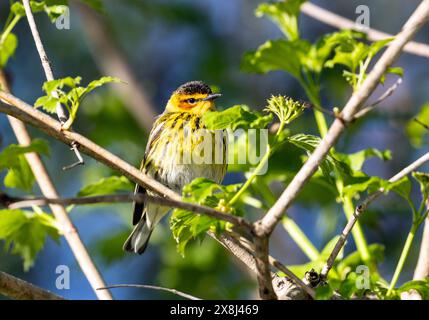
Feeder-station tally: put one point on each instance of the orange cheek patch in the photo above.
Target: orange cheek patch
(186, 106)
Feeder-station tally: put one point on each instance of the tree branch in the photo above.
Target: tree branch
(285, 289)
(16, 203)
(49, 75)
(48, 189)
(266, 225)
(18, 289)
(418, 18)
(337, 21)
(360, 209)
(146, 286)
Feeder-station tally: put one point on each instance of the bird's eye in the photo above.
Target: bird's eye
(191, 100)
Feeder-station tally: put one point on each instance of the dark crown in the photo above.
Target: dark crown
(194, 87)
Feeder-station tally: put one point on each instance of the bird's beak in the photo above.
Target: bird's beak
(211, 97)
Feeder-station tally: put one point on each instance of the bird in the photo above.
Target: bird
(174, 139)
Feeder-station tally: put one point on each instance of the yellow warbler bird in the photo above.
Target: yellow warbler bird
(174, 140)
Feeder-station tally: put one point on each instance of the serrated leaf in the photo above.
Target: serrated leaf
(11, 152)
(7, 48)
(423, 180)
(25, 232)
(309, 143)
(272, 55)
(356, 160)
(19, 174)
(186, 225)
(70, 94)
(284, 15)
(108, 185)
(238, 116)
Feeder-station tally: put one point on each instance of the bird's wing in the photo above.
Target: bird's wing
(138, 208)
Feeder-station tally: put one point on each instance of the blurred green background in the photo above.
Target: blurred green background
(166, 44)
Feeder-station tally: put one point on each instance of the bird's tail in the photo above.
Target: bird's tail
(139, 237)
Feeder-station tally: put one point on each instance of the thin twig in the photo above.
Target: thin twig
(16, 203)
(337, 21)
(267, 224)
(15, 288)
(360, 209)
(48, 189)
(49, 75)
(383, 97)
(147, 286)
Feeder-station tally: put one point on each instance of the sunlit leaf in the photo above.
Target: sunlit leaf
(108, 185)
(7, 48)
(25, 232)
(238, 116)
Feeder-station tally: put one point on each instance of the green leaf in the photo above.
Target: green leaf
(421, 286)
(356, 56)
(324, 292)
(11, 152)
(108, 185)
(25, 232)
(417, 132)
(275, 55)
(284, 15)
(423, 180)
(7, 48)
(186, 225)
(19, 173)
(48, 103)
(354, 259)
(329, 247)
(71, 99)
(356, 160)
(53, 8)
(17, 9)
(309, 143)
(238, 116)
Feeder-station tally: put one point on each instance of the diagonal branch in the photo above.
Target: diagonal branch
(48, 189)
(147, 286)
(360, 209)
(16, 203)
(418, 18)
(18, 289)
(266, 225)
(49, 75)
(337, 21)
